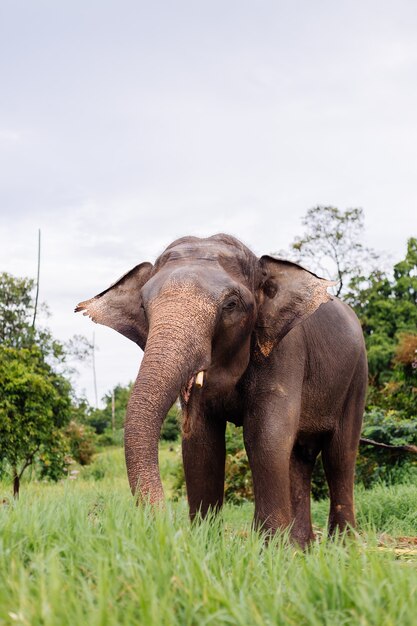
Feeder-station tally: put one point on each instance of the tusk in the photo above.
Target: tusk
(199, 379)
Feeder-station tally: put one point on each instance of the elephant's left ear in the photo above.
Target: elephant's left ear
(287, 295)
(119, 306)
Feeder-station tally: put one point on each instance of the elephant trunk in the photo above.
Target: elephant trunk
(178, 346)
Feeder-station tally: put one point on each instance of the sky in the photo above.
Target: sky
(126, 124)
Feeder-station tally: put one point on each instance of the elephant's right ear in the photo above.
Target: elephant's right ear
(119, 306)
(288, 295)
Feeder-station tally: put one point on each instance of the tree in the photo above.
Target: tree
(332, 244)
(387, 309)
(35, 403)
(121, 396)
(36, 396)
(16, 311)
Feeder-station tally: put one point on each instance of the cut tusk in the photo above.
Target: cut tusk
(199, 379)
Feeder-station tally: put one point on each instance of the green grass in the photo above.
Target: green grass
(80, 553)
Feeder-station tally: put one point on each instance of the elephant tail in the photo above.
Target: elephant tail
(406, 448)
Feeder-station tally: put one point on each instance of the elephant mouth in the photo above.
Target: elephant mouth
(186, 390)
(196, 380)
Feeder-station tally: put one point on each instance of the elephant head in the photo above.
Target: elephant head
(203, 313)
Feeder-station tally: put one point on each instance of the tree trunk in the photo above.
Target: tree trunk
(16, 484)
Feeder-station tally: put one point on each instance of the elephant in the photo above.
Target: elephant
(255, 341)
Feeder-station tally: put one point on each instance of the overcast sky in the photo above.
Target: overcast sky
(125, 124)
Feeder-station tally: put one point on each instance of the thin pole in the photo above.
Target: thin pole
(113, 421)
(94, 370)
(37, 279)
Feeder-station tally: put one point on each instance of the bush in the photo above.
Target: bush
(238, 480)
(81, 440)
(54, 461)
(170, 431)
(108, 465)
(111, 437)
(171, 428)
(379, 464)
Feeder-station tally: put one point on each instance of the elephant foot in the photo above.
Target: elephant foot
(341, 519)
(302, 540)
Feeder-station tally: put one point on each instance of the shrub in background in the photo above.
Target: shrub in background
(53, 462)
(81, 440)
(111, 437)
(382, 465)
(238, 481)
(171, 428)
(106, 436)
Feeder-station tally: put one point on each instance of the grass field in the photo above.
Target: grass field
(80, 553)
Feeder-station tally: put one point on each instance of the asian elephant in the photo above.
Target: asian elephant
(254, 341)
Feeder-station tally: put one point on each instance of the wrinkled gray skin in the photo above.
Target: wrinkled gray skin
(281, 357)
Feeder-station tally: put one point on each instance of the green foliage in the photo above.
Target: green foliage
(111, 438)
(389, 508)
(389, 427)
(34, 403)
(53, 460)
(171, 428)
(108, 465)
(238, 479)
(387, 309)
(16, 311)
(382, 465)
(81, 440)
(102, 418)
(35, 395)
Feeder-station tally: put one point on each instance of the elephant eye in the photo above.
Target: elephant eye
(270, 288)
(230, 305)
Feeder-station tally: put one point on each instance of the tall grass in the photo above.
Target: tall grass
(82, 553)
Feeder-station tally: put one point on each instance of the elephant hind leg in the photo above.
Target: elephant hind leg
(339, 459)
(339, 466)
(339, 453)
(302, 463)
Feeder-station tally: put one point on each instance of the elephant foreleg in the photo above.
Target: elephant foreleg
(204, 453)
(269, 435)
